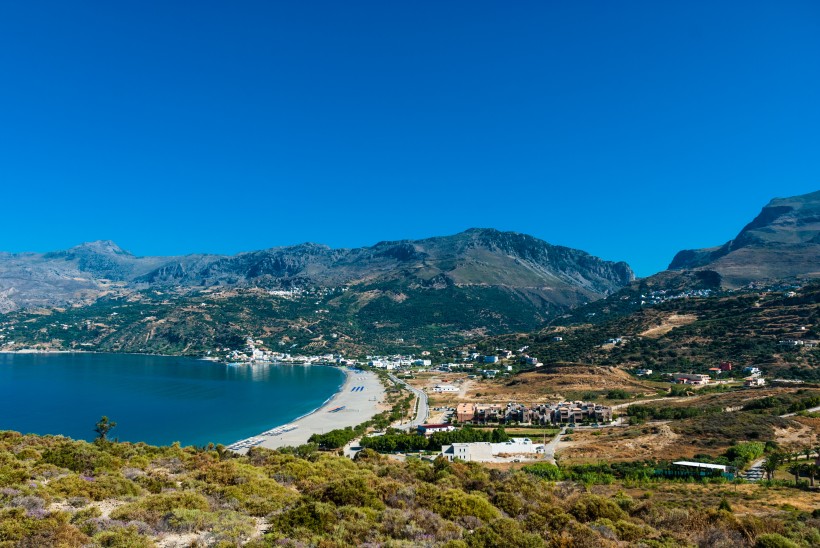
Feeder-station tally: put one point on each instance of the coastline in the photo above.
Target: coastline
(359, 398)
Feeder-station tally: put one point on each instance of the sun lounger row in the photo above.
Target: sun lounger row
(245, 444)
(279, 430)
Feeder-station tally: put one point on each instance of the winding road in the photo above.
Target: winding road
(422, 409)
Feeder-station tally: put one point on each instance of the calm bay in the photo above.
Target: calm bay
(156, 399)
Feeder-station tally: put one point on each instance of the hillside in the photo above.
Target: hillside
(391, 295)
(782, 242)
(686, 331)
(58, 492)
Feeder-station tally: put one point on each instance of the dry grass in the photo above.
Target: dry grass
(668, 324)
(746, 499)
(651, 441)
(543, 385)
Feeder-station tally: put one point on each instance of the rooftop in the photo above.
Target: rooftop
(691, 464)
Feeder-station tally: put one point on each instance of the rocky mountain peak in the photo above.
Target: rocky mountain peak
(101, 247)
(783, 241)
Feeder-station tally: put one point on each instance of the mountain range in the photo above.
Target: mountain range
(392, 295)
(544, 273)
(308, 297)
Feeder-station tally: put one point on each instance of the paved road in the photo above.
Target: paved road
(549, 448)
(812, 410)
(422, 410)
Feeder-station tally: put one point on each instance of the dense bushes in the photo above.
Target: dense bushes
(305, 498)
(745, 452)
(399, 441)
(649, 412)
(784, 403)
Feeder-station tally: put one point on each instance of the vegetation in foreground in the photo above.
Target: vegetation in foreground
(59, 492)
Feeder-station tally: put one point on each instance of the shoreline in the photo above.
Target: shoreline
(357, 401)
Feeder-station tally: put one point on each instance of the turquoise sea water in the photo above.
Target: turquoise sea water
(156, 399)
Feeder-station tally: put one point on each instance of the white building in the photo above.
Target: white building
(488, 452)
(691, 378)
(445, 388)
(428, 429)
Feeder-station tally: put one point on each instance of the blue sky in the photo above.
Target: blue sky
(628, 129)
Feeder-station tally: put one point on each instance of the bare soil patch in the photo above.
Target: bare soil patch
(668, 324)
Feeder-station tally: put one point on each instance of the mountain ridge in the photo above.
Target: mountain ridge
(473, 257)
(782, 241)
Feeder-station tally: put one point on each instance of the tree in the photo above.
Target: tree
(771, 463)
(103, 427)
(811, 470)
(499, 435)
(794, 469)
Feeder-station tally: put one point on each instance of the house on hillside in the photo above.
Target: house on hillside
(752, 371)
(695, 379)
(754, 382)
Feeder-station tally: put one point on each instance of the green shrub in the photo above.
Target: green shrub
(351, 491)
(19, 528)
(453, 504)
(774, 540)
(745, 451)
(593, 507)
(317, 517)
(154, 508)
(544, 470)
(94, 488)
(81, 457)
(231, 528)
(189, 519)
(503, 532)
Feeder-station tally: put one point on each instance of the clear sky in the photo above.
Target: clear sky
(628, 129)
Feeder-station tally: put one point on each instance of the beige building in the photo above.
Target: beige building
(465, 412)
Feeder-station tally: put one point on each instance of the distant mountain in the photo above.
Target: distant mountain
(391, 294)
(782, 242)
(552, 274)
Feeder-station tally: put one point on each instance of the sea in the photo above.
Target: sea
(156, 399)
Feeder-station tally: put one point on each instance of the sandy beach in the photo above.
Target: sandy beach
(359, 399)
